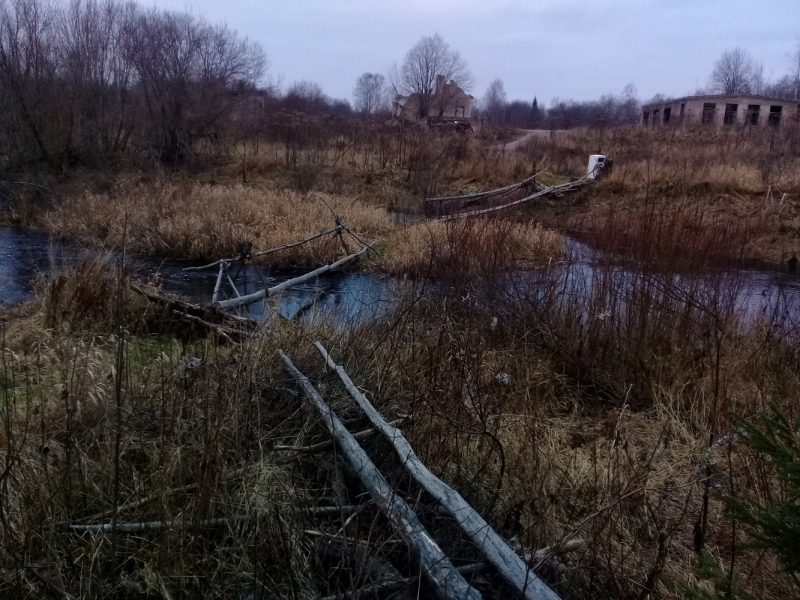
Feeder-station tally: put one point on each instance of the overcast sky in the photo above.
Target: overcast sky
(547, 48)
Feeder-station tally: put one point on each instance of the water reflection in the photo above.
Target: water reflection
(589, 277)
(348, 297)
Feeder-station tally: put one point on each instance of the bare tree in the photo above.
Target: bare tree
(629, 105)
(758, 82)
(306, 96)
(370, 93)
(794, 73)
(782, 88)
(494, 102)
(429, 59)
(28, 69)
(191, 74)
(96, 76)
(733, 73)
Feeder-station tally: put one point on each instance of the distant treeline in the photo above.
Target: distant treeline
(87, 81)
(98, 82)
(610, 109)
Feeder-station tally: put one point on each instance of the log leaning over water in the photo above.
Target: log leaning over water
(436, 567)
(230, 326)
(239, 257)
(523, 581)
(261, 294)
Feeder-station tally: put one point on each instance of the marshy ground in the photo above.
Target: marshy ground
(590, 411)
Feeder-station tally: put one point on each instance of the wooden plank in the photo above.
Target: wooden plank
(219, 281)
(436, 567)
(261, 294)
(523, 581)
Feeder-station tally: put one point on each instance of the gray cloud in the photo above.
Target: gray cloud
(548, 48)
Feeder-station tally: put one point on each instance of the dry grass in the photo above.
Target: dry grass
(559, 406)
(742, 160)
(555, 419)
(744, 181)
(208, 222)
(465, 247)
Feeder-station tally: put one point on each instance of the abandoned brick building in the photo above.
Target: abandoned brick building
(448, 102)
(721, 110)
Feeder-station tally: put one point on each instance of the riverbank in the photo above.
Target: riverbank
(557, 410)
(587, 396)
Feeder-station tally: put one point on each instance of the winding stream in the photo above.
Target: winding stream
(352, 297)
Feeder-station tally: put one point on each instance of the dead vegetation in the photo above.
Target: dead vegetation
(563, 396)
(560, 408)
(209, 222)
(741, 180)
(442, 250)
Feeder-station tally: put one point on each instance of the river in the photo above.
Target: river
(351, 297)
(354, 297)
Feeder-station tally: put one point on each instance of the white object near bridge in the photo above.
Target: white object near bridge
(597, 163)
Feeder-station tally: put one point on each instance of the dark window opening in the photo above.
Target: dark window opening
(775, 115)
(646, 117)
(683, 107)
(730, 114)
(709, 112)
(667, 115)
(753, 113)
(655, 117)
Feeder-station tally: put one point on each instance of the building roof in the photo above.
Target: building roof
(722, 97)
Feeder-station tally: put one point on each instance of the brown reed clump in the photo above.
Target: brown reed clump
(207, 222)
(448, 249)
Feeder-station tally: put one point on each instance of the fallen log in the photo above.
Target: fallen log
(261, 294)
(318, 511)
(489, 193)
(155, 525)
(193, 309)
(524, 582)
(318, 297)
(534, 559)
(547, 191)
(436, 567)
(327, 445)
(393, 585)
(239, 257)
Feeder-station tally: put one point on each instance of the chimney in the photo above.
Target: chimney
(440, 81)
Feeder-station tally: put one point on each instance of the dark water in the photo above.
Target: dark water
(769, 294)
(350, 297)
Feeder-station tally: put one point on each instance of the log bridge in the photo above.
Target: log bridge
(447, 582)
(239, 300)
(448, 208)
